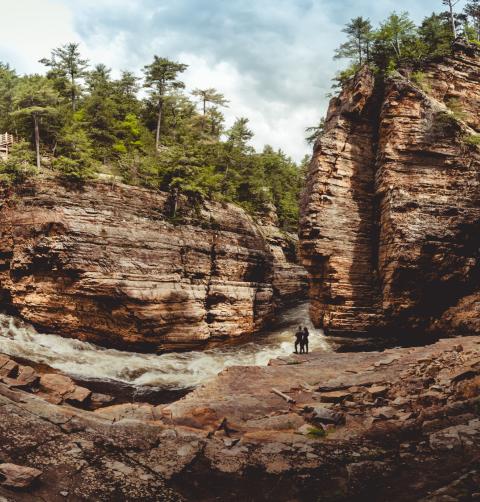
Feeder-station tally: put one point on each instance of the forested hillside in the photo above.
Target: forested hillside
(77, 122)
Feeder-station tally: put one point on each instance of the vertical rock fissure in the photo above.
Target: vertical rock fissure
(209, 318)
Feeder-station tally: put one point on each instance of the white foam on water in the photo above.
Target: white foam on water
(171, 370)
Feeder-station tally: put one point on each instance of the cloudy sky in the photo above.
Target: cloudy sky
(271, 58)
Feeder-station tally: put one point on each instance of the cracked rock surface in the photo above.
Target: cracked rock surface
(385, 425)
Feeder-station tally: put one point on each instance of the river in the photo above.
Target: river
(170, 371)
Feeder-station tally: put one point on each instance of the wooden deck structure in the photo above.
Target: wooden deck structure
(6, 142)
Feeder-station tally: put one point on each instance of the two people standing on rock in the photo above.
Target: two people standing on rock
(301, 340)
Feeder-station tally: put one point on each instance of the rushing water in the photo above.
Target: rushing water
(167, 371)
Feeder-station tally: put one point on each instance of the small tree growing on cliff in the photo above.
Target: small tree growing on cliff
(19, 165)
(451, 4)
(161, 76)
(315, 132)
(357, 47)
(472, 10)
(76, 161)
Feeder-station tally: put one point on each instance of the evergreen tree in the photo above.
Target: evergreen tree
(19, 165)
(76, 161)
(8, 80)
(161, 77)
(357, 47)
(472, 11)
(451, 4)
(99, 112)
(34, 98)
(394, 40)
(315, 132)
(239, 134)
(66, 63)
(209, 96)
(435, 33)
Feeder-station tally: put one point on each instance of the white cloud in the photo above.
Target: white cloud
(271, 59)
(30, 29)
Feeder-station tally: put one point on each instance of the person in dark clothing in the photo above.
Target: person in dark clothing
(304, 344)
(298, 339)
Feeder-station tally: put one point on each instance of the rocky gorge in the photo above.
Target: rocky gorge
(390, 215)
(389, 237)
(105, 263)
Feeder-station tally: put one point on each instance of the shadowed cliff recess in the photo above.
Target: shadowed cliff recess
(389, 225)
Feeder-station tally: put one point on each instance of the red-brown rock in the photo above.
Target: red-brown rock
(391, 210)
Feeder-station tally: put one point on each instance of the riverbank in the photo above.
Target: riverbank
(158, 377)
(399, 424)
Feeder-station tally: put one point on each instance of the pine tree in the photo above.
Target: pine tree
(161, 77)
(451, 4)
(34, 98)
(472, 10)
(357, 47)
(8, 80)
(66, 63)
(209, 96)
(315, 132)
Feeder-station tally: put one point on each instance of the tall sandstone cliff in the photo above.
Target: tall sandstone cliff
(105, 264)
(390, 226)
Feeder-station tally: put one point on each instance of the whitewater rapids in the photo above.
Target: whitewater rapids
(170, 371)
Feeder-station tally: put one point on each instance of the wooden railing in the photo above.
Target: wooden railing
(6, 142)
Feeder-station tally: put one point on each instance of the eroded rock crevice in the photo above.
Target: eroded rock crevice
(391, 203)
(107, 264)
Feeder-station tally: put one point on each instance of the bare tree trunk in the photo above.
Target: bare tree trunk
(204, 113)
(452, 19)
(37, 138)
(159, 123)
(72, 92)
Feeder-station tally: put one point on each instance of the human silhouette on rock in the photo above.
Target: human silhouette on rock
(298, 339)
(304, 342)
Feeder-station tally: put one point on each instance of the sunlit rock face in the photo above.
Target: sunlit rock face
(106, 264)
(391, 211)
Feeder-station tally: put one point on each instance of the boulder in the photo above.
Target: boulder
(17, 476)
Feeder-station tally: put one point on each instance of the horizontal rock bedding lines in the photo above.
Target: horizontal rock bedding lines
(390, 213)
(106, 264)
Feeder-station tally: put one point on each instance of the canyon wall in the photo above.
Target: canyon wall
(103, 263)
(391, 210)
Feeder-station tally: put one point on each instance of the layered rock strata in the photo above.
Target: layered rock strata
(390, 214)
(106, 264)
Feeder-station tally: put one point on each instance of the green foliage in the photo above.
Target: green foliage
(398, 41)
(394, 41)
(456, 107)
(420, 79)
(67, 67)
(473, 140)
(8, 80)
(88, 122)
(313, 133)
(316, 432)
(19, 166)
(359, 39)
(75, 162)
(161, 78)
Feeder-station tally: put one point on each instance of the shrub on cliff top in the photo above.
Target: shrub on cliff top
(76, 161)
(19, 166)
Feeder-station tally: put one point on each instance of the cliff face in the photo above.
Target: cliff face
(390, 215)
(104, 264)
